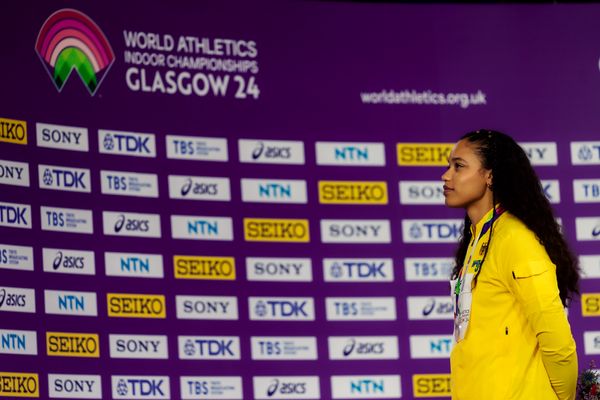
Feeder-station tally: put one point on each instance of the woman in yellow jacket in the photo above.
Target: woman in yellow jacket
(514, 275)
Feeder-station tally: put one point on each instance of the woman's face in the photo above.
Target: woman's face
(465, 180)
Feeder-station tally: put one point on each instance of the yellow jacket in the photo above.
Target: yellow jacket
(518, 345)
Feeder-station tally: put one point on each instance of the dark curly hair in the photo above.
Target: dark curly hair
(517, 188)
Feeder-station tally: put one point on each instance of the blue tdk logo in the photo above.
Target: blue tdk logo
(209, 348)
(282, 308)
(140, 387)
(125, 143)
(13, 215)
(63, 178)
(353, 269)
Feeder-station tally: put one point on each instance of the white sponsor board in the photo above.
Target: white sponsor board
(355, 231)
(135, 265)
(551, 189)
(198, 227)
(271, 151)
(585, 153)
(55, 177)
(14, 173)
(196, 148)
(273, 269)
(540, 153)
(281, 308)
(591, 341)
(209, 347)
(429, 307)
(62, 137)
(428, 269)
(587, 228)
(291, 348)
(292, 191)
(363, 347)
(64, 302)
(67, 261)
(17, 299)
(207, 307)
(126, 143)
(135, 184)
(358, 270)
(211, 387)
(586, 190)
(590, 266)
(286, 387)
(14, 215)
(66, 220)
(131, 224)
(360, 308)
(199, 188)
(74, 386)
(18, 342)
(140, 387)
(431, 346)
(421, 192)
(366, 387)
(138, 346)
(431, 230)
(350, 154)
(16, 257)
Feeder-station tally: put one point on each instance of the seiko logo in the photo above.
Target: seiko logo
(16, 257)
(126, 143)
(18, 342)
(70, 303)
(428, 269)
(431, 231)
(131, 224)
(17, 299)
(423, 154)
(67, 220)
(139, 265)
(361, 270)
(430, 346)
(355, 231)
(281, 308)
(14, 173)
(431, 385)
(129, 184)
(279, 269)
(421, 192)
(13, 131)
(286, 387)
(274, 191)
(585, 153)
(590, 304)
(15, 215)
(69, 261)
(62, 137)
(350, 154)
(586, 190)
(276, 230)
(353, 192)
(207, 307)
(587, 228)
(201, 228)
(271, 151)
(136, 305)
(435, 307)
(209, 347)
(140, 387)
(197, 148)
(363, 347)
(15, 384)
(366, 387)
(284, 348)
(212, 268)
(139, 346)
(361, 308)
(72, 344)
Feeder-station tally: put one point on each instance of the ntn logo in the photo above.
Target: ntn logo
(203, 227)
(367, 385)
(71, 302)
(134, 264)
(276, 190)
(351, 153)
(13, 341)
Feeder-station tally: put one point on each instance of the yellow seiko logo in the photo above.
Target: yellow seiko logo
(424, 154)
(353, 192)
(13, 131)
(202, 267)
(590, 304)
(276, 230)
(72, 344)
(136, 305)
(19, 384)
(431, 385)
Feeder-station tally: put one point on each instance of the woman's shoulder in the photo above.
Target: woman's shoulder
(511, 234)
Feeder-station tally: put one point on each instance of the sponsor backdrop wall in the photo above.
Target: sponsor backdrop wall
(217, 200)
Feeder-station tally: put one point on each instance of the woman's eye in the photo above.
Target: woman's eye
(457, 166)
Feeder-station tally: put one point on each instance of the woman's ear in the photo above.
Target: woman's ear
(488, 179)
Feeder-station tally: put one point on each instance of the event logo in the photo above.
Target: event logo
(431, 385)
(431, 230)
(430, 346)
(353, 192)
(17, 384)
(211, 387)
(17, 299)
(14, 173)
(363, 347)
(13, 131)
(16, 257)
(421, 192)
(131, 224)
(138, 346)
(62, 137)
(136, 305)
(129, 184)
(590, 266)
(366, 387)
(72, 344)
(360, 308)
(423, 154)
(69, 261)
(67, 220)
(281, 308)
(276, 230)
(355, 231)
(197, 148)
(358, 270)
(271, 151)
(292, 191)
(207, 307)
(350, 154)
(286, 387)
(69, 40)
(587, 228)
(433, 307)
(199, 188)
(436, 269)
(209, 347)
(585, 153)
(126, 143)
(18, 342)
(73, 386)
(590, 304)
(70, 303)
(289, 348)
(133, 265)
(140, 387)
(64, 178)
(592, 342)
(586, 190)
(204, 267)
(542, 153)
(279, 269)
(201, 227)
(15, 215)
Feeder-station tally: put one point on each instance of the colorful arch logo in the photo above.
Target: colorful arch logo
(69, 40)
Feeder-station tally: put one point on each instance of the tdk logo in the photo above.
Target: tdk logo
(587, 228)
(69, 261)
(291, 191)
(131, 224)
(15, 215)
(67, 220)
(585, 153)
(197, 148)
(140, 387)
(16, 257)
(74, 386)
(207, 307)
(17, 299)
(366, 387)
(271, 151)
(209, 347)
(70, 303)
(421, 192)
(201, 228)
(430, 346)
(355, 231)
(286, 387)
(543, 153)
(431, 230)
(350, 154)
(18, 342)
(282, 308)
(433, 307)
(14, 173)
(62, 137)
(139, 346)
(586, 190)
(358, 270)
(284, 348)
(279, 269)
(202, 188)
(363, 347)
(551, 190)
(360, 308)
(135, 265)
(126, 143)
(428, 269)
(63, 178)
(211, 387)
